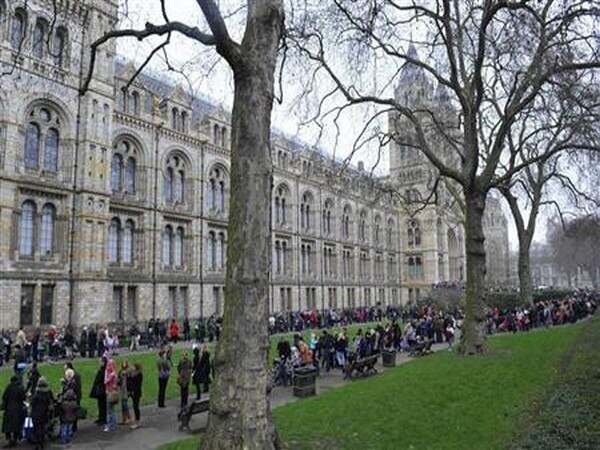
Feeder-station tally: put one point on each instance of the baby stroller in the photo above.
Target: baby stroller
(281, 372)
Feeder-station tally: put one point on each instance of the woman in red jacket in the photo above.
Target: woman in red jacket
(174, 331)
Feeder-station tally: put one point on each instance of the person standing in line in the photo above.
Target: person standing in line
(91, 347)
(42, 409)
(111, 386)
(68, 407)
(162, 364)
(14, 412)
(98, 392)
(196, 371)
(135, 382)
(124, 373)
(184, 374)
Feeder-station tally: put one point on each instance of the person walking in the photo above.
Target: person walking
(14, 412)
(42, 410)
(135, 381)
(184, 374)
(124, 373)
(162, 364)
(111, 387)
(174, 331)
(98, 392)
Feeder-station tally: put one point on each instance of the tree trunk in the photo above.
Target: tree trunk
(240, 414)
(473, 329)
(525, 282)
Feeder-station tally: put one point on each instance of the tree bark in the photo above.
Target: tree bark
(525, 282)
(240, 414)
(473, 329)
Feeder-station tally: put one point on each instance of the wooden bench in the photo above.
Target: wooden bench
(363, 367)
(196, 407)
(423, 348)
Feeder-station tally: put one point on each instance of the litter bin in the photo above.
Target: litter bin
(305, 382)
(388, 358)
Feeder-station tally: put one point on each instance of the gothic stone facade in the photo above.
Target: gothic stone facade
(113, 205)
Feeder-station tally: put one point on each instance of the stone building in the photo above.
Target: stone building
(113, 204)
(432, 238)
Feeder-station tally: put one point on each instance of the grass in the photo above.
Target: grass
(568, 417)
(87, 369)
(438, 402)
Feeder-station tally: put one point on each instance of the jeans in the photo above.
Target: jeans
(184, 396)
(340, 358)
(66, 433)
(111, 416)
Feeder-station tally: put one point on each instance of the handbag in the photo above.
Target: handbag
(81, 413)
(112, 397)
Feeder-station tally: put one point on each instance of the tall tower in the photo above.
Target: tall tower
(430, 234)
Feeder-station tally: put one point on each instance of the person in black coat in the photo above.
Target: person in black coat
(99, 392)
(134, 387)
(42, 410)
(14, 411)
(201, 375)
(83, 342)
(91, 343)
(195, 366)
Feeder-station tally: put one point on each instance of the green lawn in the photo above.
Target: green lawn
(87, 369)
(438, 402)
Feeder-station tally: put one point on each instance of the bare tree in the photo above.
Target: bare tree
(492, 57)
(575, 245)
(240, 415)
(552, 180)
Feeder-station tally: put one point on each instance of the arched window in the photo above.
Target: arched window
(346, 222)
(281, 204)
(116, 172)
(128, 242)
(217, 183)
(212, 249)
(178, 247)
(114, 240)
(51, 150)
(174, 180)
(43, 127)
(19, 25)
(39, 38)
(26, 228)
(216, 135)
(377, 230)
(305, 211)
(413, 233)
(123, 100)
(327, 210)
(167, 236)
(411, 267)
(362, 227)
(183, 127)
(60, 44)
(47, 231)
(134, 103)
(179, 187)
(221, 250)
(130, 169)
(32, 146)
(224, 137)
(175, 119)
(390, 234)
(168, 186)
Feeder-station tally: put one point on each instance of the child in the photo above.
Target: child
(68, 416)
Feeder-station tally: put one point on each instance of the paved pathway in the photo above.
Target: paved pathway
(160, 426)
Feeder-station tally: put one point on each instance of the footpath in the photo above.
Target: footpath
(160, 425)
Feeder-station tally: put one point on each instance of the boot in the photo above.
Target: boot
(125, 418)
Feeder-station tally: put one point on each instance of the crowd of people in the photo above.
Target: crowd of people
(33, 411)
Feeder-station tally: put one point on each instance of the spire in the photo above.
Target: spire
(410, 72)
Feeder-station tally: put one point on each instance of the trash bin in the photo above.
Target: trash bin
(388, 358)
(305, 382)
